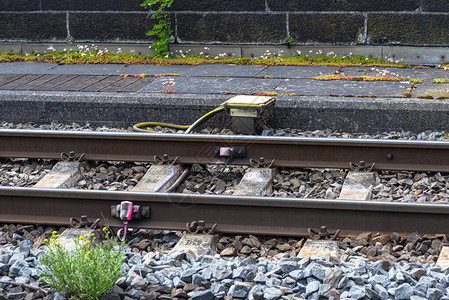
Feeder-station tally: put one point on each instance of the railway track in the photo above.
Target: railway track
(233, 214)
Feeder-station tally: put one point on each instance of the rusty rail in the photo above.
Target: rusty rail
(256, 215)
(287, 152)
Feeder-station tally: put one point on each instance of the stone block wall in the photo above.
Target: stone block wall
(309, 22)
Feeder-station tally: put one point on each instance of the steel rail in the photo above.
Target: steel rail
(255, 215)
(199, 148)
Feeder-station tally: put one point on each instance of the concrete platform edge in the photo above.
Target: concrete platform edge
(307, 113)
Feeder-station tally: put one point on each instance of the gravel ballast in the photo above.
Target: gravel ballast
(371, 266)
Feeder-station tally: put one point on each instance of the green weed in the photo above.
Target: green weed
(88, 271)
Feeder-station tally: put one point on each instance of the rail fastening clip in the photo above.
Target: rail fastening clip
(127, 211)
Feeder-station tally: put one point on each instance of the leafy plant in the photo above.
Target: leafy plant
(88, 271)
(289, 41)
(70, 39)
(162, 29)
(440, 80)
(416, 80)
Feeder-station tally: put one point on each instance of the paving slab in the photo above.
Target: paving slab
(213, 85)
(339, 105)
(228, 70)
(296, 72)
(26, 68)
(98, 69)
(311, 87)
(209, 70)
(424, 74)
(184, 70)
(432, 91)
(305, 72)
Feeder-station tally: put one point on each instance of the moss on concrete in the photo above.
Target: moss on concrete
(405, 29)
(325, 28)
(231, 28)
(109, 26)
(33, 26)
(435, 5)
(344, 5)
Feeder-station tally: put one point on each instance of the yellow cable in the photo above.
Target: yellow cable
(138, 127)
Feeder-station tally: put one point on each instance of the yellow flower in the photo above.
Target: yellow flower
(45, 240)
(58, 244)
(54, 232)
(81, 237)
(92, 234)
(88, 253)
(87, 258)
(86, 235)
(105, 229)
(52, 240)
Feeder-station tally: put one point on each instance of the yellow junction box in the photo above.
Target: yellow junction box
(249, 113)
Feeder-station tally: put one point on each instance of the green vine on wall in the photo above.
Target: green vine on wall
(162, 29)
